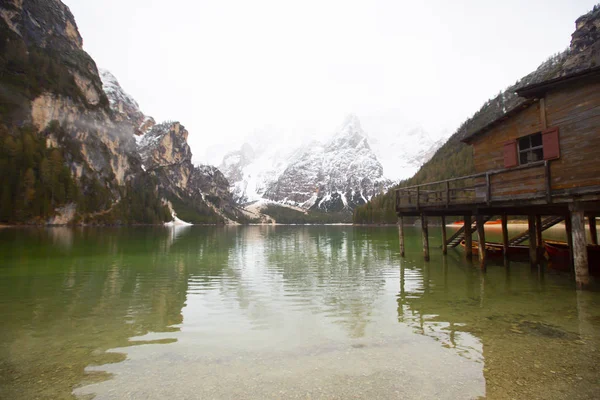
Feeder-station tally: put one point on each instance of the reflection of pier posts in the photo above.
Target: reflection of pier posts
(444, 240)
(401, 235)
(425, 232)
(580, 255)
(533, 259)
(505, 238)
(538, 238)
(481, 238)
(468, 237)
(569, 231)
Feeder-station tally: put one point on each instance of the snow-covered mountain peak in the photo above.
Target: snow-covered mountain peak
(350, 134)
(123, 104)
(114, 91)
(351, 124)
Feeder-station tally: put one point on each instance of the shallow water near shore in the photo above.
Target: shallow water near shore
(283, 312)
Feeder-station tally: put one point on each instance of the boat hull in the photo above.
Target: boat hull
(495, 250)
(560, 258)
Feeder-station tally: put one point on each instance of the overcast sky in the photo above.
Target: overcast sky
(226, 69)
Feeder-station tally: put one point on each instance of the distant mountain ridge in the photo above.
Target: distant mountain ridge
(335, 176)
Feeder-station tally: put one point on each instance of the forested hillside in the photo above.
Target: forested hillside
(454, 158)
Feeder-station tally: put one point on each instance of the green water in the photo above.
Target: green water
(283, 312)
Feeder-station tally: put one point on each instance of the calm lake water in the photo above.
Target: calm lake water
(283, 312)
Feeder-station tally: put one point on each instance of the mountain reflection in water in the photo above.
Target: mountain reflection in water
(280, 312)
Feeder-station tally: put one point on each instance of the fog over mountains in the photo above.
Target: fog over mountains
(334, 172)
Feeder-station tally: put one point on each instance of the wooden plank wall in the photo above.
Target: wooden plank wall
(576, 112)
(488, 149)
(517, 184)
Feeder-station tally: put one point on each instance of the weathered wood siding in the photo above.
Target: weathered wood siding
(488, 154)
(575, 110)
(488, 149)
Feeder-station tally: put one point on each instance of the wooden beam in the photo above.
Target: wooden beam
(444, 240)
(532, 241)
(505, 236)
(401, 235)
(481, 239)
(580, 255)
(488, 188)
(468, 237)
(593, 231)
(538, 237)
(509, 209)
(548, 176)
(425, 233)
(569, 232)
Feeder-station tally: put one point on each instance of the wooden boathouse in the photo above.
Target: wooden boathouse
(540, 159)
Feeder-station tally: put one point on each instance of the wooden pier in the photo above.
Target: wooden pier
(538, 160)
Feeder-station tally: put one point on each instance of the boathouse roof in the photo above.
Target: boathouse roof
(580, 60)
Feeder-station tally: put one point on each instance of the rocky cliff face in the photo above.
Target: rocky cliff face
(120, 159)
(49, 25)
(336, 176)
(124, 106)
(166, 155)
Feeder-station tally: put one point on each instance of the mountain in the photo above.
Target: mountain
(334, 176)
(124, 106)
(455, 158)
(402, 154)
(75, 147)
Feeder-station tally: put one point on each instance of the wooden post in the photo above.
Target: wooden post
(580, 255)
(593, 231)
(444, 245)
(570, 241)
(532, 241)
(468, 237)
(538, 237)
(425, 232)
(401, 235)
(447, 194)
(481, 238)
(505, 236)
(488, 189)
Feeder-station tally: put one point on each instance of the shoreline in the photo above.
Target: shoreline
(451, 225)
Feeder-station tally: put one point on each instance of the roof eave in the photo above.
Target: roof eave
(521, 106)
(539, 89)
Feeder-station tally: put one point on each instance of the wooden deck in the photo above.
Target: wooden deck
(516, 191)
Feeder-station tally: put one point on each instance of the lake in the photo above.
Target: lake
(255, 312)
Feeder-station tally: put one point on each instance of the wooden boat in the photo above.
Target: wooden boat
(495, 250)
(560, 258)
(494, 222)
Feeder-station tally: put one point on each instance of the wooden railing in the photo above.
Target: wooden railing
(525, 181)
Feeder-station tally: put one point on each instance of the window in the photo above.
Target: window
(528, 149)
(531, 148)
